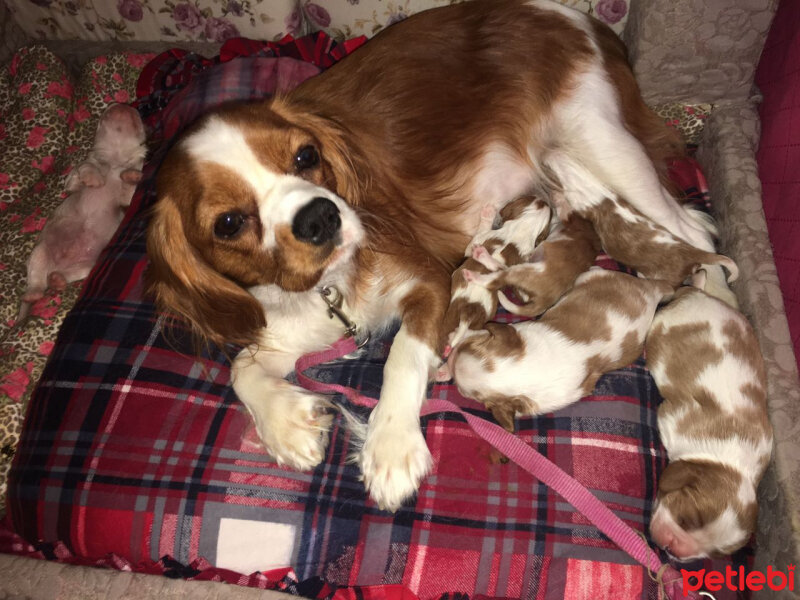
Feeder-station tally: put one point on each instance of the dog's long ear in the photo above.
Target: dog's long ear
(185, 285)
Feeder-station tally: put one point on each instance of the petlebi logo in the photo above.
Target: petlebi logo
(705, 582)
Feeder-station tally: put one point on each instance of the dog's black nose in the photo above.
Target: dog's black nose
(317, 222)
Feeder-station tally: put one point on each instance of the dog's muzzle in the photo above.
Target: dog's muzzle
(317, 222)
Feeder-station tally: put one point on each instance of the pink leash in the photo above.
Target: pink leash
(632, 542)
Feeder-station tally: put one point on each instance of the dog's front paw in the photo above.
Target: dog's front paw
(394, 460)
(294, 427)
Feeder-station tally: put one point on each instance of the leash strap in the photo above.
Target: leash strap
(528, 459)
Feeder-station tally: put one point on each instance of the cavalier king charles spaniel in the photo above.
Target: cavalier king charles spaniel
(361, 189)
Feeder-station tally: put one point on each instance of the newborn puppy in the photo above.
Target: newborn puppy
(525, 221)
(633, 239)
(713, 422)
(636, 241)
(540, 366)
(82, 225)
(551, 270)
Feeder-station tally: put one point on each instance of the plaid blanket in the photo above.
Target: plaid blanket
(137, 454)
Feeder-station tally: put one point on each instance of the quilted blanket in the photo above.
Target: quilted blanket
(136, 453)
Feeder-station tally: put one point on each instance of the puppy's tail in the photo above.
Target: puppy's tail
(706, 259)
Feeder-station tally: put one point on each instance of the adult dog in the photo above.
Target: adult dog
(370, 179)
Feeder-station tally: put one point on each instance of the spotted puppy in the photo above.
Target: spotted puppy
(540, 366)
(525, 221)
(636, 240)
(570, 250)
(713, 422)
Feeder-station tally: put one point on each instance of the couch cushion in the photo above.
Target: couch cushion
(215, 21)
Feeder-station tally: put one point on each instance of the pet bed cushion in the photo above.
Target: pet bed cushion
(136, 453)
(47, 124)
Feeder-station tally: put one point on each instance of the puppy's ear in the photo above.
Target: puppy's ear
(184, 284)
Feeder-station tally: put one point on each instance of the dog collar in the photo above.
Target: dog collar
(334, 299)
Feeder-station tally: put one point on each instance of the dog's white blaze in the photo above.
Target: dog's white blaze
(279, 195)
(522, 231)
(225, 144)
(722, 531)
(627, 214)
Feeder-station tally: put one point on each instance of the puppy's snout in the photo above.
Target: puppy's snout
(317, 222)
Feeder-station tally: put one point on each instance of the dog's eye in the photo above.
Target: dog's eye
(228, 224)
(306, 158)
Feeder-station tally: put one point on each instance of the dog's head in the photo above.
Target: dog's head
(703, 509)
(120, 137)
(247, 198)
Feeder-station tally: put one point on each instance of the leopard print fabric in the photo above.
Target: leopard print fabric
(688, 119)
(47, 125)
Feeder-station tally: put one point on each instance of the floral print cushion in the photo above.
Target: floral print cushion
(47, 124)
(344, 19)
(219, 20)
(147, 20)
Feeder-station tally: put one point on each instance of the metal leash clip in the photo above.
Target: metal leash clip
(334, 299)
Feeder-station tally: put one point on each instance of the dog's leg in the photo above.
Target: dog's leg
(596, 140)
(595, 135)
(395, 456)
(292, 423)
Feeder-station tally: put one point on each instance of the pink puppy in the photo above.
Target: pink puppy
(82, 225)
(713, 422)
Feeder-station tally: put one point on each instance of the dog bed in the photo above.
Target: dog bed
(137, 455)
(47, 124)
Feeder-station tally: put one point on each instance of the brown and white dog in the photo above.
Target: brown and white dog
(713, 422)
(370, 178)
(540, 366)
(633, 239)
(570, 250)
(525, 221)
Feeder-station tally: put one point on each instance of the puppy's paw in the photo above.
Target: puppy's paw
(294, 427)
(394, 461)
(90, 176)
(443, 373)
(56, 281)
(469, 276)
